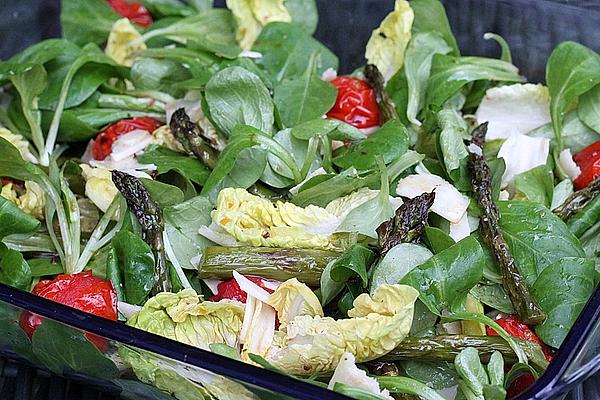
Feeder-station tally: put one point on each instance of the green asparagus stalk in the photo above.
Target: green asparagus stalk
(124, 102)
(446, 347)
(268, 262)
(190, 137)
(578, 200)
(586, 218)
(386, 105)
(408, 223)
(527, 308)
(149, 215)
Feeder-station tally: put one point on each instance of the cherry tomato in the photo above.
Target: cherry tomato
(230, 289)
(102, 146)
(519, 385)
(588, 161)
(356, 103)
(588, 155)
(82, 291)
(134, 11)
(516, 329)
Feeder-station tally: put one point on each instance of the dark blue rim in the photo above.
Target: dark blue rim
(259, 377)
(553, 382)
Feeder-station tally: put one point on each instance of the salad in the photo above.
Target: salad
(425, 226)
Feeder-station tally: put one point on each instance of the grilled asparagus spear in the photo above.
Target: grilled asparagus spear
(446, 347)
(527, 308)
(149, 215)
(268, 262)
(407, 224)
(187, 133)
(386, 105)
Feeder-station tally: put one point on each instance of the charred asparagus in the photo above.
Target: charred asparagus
(446, 347)
(407, 224)
(188, 134)
(149, 215)
(268, 262)
(527, 308)
(578, 200)
(386, 105)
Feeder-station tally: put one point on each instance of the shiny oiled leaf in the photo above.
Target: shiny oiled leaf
(444, 280)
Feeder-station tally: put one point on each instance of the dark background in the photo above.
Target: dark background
(531, 27)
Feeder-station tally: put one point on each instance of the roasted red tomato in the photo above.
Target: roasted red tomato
(82, 291)
(356, 103)
(134, 11)
(103, 143)
(230, 289)
(516, 329)
(588, 161)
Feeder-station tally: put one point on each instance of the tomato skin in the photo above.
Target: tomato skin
(588, 160)
(230, 289)
(356, 103)
(135, 12)
(590, 172)
(519, 385)
(102, 146)
(82, 291)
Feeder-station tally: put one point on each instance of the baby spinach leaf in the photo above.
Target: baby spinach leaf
(469, 368)
(182, 222)
(137, 262)
(235, 97)
(562, 289)
(430, 16)
(15, 221)
(572, 70)
(390, 142)
(493, 295)
(241, 164)
(437, 239)
(535, 185)
(436, 375)
(397, 88)
(157, 74)
(451, 144)
(164, 194)
(417, 67)
(63, 349)
(44, 267)
(85, 22)
(589, 108)
(354, 262)
(397, 263)
(304, 98)
(444, 280)
(506, 55)
(536, 237)
(332, 128)
(449, 74)
(30, 84)
(299, 150)
(551, 260)
(304, 14)
(212, 30)
(168, 160)
(14, 270)
(286, 51)
(365, 218)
